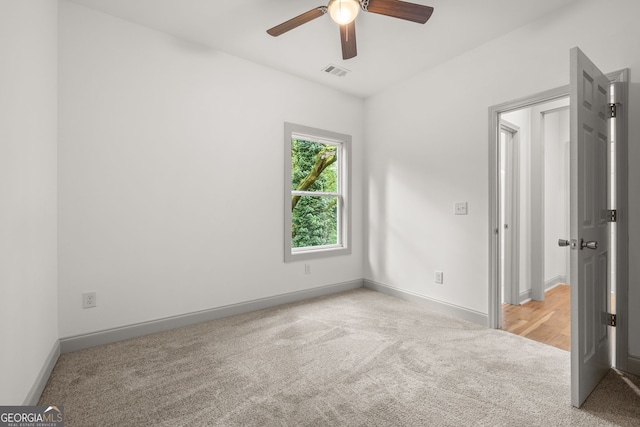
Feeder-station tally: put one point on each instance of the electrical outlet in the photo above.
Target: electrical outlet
(88, 299)
(307, 269)
(439, 277)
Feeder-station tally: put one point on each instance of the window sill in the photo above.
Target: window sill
(306, 254)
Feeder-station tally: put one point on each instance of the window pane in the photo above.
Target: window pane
(314, 221)
(314, 166)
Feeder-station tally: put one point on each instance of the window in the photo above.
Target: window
(316, 209)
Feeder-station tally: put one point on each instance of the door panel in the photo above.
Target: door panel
(590, 343)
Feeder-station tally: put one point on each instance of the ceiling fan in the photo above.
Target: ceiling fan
(344, 12)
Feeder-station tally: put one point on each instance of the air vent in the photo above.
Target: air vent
(335, 70)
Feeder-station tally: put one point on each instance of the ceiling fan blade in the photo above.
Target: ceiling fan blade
(348, 40)
(401, 9)
(297, 21)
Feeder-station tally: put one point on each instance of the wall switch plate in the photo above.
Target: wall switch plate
(460, 208)
(88, 299)
(307, 269)
(439, 276)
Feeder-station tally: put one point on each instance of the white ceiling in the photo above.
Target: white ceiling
(389, 49)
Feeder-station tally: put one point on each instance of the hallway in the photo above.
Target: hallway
(545, 321)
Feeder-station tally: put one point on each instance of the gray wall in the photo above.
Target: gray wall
(28, 134)
(156, 213)
(556, 195)
(171, 160)
(427, 148)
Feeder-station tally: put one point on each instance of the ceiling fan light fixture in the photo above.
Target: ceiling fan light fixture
(343, 11)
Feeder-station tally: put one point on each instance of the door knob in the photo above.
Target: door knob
(592, 244)
(562, 242)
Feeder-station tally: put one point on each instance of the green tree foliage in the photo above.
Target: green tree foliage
(314, 219)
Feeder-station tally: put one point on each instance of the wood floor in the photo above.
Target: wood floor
(545, 321)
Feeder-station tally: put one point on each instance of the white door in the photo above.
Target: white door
(590, 343)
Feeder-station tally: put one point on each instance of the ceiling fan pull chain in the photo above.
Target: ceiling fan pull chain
(364, 4)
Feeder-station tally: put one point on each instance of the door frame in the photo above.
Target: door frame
(622, 359)
(495, 306)
(512, 264)
(621, 78)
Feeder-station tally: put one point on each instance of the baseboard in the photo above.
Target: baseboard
(430, 303)
(108, 336)
(633, 365)
(525, 296)
(43, 376)
(552, 283)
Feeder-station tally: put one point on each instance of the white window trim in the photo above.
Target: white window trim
(292, 130)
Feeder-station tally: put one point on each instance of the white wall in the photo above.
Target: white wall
(421, 157)
(522, 119)
(551, 126)
(28, 271)
(171, 175)
(556, 195)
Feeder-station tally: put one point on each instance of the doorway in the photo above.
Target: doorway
(598, 241)
(533, 199)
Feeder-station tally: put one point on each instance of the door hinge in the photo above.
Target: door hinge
(612, 215)
(613, 110)
(610, 319)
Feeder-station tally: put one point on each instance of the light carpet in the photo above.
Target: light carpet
(359, 358)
